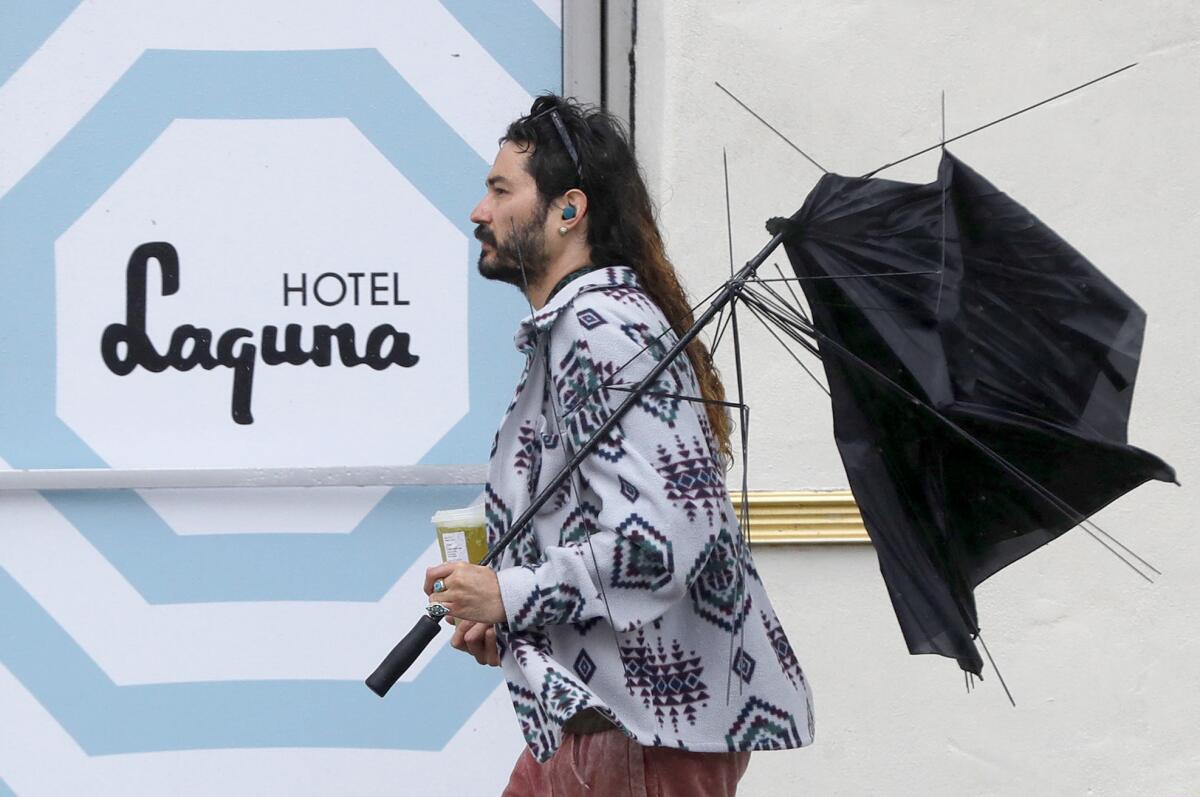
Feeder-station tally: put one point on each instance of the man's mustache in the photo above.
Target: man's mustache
(485, 235)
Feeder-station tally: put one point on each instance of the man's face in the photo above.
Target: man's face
(511, 222)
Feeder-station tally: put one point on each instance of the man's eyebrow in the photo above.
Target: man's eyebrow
(499, 178)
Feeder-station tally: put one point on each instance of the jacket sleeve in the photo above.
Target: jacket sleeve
(654, 501)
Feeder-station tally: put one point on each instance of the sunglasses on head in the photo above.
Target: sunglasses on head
(565, 137)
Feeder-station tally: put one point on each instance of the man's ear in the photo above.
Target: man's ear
(574, 206)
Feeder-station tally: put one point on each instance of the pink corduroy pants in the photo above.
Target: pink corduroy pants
(610, 764)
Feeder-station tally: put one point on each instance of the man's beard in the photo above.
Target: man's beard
(521, 260)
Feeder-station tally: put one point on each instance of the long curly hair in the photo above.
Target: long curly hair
(580, 146)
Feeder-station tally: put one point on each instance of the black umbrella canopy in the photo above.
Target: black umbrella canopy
(981, 373)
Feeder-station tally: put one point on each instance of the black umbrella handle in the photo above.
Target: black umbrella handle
(403, 655)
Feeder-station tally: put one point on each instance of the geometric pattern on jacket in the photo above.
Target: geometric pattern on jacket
(633, 591)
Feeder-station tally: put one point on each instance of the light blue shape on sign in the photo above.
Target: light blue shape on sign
(171, 568)
(5, 790)
(522, 39)
(25, 25)
(107, 719)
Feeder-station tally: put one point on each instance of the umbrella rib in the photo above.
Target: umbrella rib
(608, 380)
(792, 291)
(797, 332)
(679, 396)
(775, 302)
(997, 669)
(794, 329)
(782, 301)
(780, 307)
(771, 128)
(1084, 525)
(719, 325)
(946, 141)
(1093, 524)
(780, 315)
(890, 310)
(788, 350)
(720, 333)
(942, 272)
(742, 433)
(728, 216)
(848, 276)
(871, 307)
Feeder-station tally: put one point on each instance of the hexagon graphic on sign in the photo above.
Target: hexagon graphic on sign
(430, 158)
(279, 227)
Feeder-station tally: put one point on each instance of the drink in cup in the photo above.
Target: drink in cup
(462, 534)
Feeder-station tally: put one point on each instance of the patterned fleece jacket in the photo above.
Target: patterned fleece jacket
(633, 591)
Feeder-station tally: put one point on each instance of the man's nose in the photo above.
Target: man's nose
(480, 214)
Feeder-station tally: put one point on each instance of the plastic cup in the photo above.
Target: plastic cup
(462, 534)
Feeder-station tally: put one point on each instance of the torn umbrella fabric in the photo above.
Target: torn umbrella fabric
(981, 373)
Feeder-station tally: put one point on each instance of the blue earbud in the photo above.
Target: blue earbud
(569, 212)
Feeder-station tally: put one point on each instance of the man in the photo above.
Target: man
(637, 641)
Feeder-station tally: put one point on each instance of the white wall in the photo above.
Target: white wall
(1103, 666)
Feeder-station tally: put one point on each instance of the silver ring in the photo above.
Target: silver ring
(439, 586)
(437, 611)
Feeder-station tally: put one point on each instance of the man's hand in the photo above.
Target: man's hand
(478, 639)
(472, 592)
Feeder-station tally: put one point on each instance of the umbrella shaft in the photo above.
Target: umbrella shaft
(724, 297)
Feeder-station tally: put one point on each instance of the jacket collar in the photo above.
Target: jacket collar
(600, 279)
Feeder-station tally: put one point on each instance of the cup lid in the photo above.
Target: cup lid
(467, 516)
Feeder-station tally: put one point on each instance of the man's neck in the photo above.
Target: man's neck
(571, 260)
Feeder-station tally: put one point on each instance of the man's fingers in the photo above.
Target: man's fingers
(441, 571)
(480, 642)
(475, 641)
(460, 631)
(493, 652)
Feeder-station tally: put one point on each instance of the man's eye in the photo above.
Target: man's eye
(499, 190)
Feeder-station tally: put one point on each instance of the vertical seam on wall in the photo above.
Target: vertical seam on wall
(604, 54)
(633, 78)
